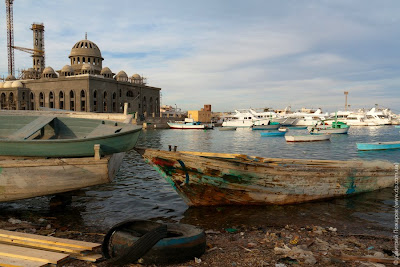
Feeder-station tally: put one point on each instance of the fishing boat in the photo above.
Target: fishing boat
(206, 179)
(307, 138)
(227, 128)
(27, 177)
(268, 126)
(58, 136)
(188, 123)
(378, 145)
(269, 134)
(335, 128)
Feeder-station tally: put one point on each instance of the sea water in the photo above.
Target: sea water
(139, 192)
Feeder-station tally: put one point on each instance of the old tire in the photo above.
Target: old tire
(183, 243)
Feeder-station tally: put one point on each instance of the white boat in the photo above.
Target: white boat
(188, 124)
(243, 118)
(307, 117)
(335, 128)
(307, 138)
(377, 117)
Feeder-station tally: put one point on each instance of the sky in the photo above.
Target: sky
(228, 53)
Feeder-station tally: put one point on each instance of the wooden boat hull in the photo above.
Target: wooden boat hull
(378, 146)
(22, 178)
(307, 138)
(206, 179)
(70, 147)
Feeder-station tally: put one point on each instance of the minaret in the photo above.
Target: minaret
(38, 47)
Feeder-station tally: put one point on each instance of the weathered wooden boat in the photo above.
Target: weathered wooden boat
(205, 179)
(269, 126)
(227, 128)
(188, 124)
(307, 138)
(334, 128)
(27, 177)
(57, 136)
(379, 145)
(270, 134)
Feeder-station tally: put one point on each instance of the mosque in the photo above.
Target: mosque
(84, 85)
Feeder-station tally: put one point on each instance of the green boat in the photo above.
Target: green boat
(57, 136)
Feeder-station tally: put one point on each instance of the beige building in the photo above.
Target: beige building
(203, 115)
(84, 85)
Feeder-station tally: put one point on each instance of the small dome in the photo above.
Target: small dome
(7, 84)
(136, 76)
(49, 70)
(67, 68)
(17, 84)
(122, 74)
(87, 67)
(106, 70)
(10, 78)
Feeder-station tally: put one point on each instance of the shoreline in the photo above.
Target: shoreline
(279, 245)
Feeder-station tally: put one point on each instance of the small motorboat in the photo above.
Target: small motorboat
(269, 126)
(307, 138)
(337, 127)
(270, 134)
(227, 128)
(188, 123)
(379, 145)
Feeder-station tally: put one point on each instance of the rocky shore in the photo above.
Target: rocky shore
(288, 245)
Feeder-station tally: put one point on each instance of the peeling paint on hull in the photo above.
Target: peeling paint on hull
(214, 179)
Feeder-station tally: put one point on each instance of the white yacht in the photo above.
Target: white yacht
(351, 118)
(307, 117)
(243, 118)
(377, 117)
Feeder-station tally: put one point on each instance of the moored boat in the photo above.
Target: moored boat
(379, 145)
(307, 138)
(188, 124)
(336, 127)
(24, 177)
(273, 133)
(205, 179)
(57, 136)
(268, 126)
(227, 128)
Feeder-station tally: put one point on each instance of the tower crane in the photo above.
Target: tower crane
(10, 40)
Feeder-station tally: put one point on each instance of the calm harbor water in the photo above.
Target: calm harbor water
(140, 192)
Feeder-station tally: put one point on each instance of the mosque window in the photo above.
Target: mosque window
(90, 45)
(81, 44)
(78, 61)
(114, 96)
(83, 59)
(129, 93)
(86, 46)
(88, 60)
(36, 42)
(41, 100)
(83, 93)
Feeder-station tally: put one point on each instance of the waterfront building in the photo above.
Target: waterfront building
(82, 85)
(203, 115)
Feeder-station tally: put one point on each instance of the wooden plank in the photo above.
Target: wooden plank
(49, 240)
(13, 262)
(31, 128)
(367, 258)
(90, 257)
(39, 245)
(31, 254)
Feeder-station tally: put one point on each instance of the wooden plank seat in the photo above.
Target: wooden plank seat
(31, 128)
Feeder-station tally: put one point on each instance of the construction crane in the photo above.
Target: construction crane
(37, 54)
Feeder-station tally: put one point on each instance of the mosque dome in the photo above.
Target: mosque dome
(122, 76)
(49, 70)
(17, 84)
(7, 84)
(85, 48)
(106, 70)
(10, 78)
(136, 76)
(67, 68)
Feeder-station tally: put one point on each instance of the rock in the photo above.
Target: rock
(251, 245)
(197, 260)
(379, 255)
(14, 221)
(280, 265)
(297, 253)
(332, 229)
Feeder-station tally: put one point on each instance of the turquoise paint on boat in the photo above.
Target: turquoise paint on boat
(378, 146)
(266, 134)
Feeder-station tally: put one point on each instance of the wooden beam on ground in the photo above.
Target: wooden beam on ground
(30, 254)
(13, 262)
(61, 242)
(367, 258)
